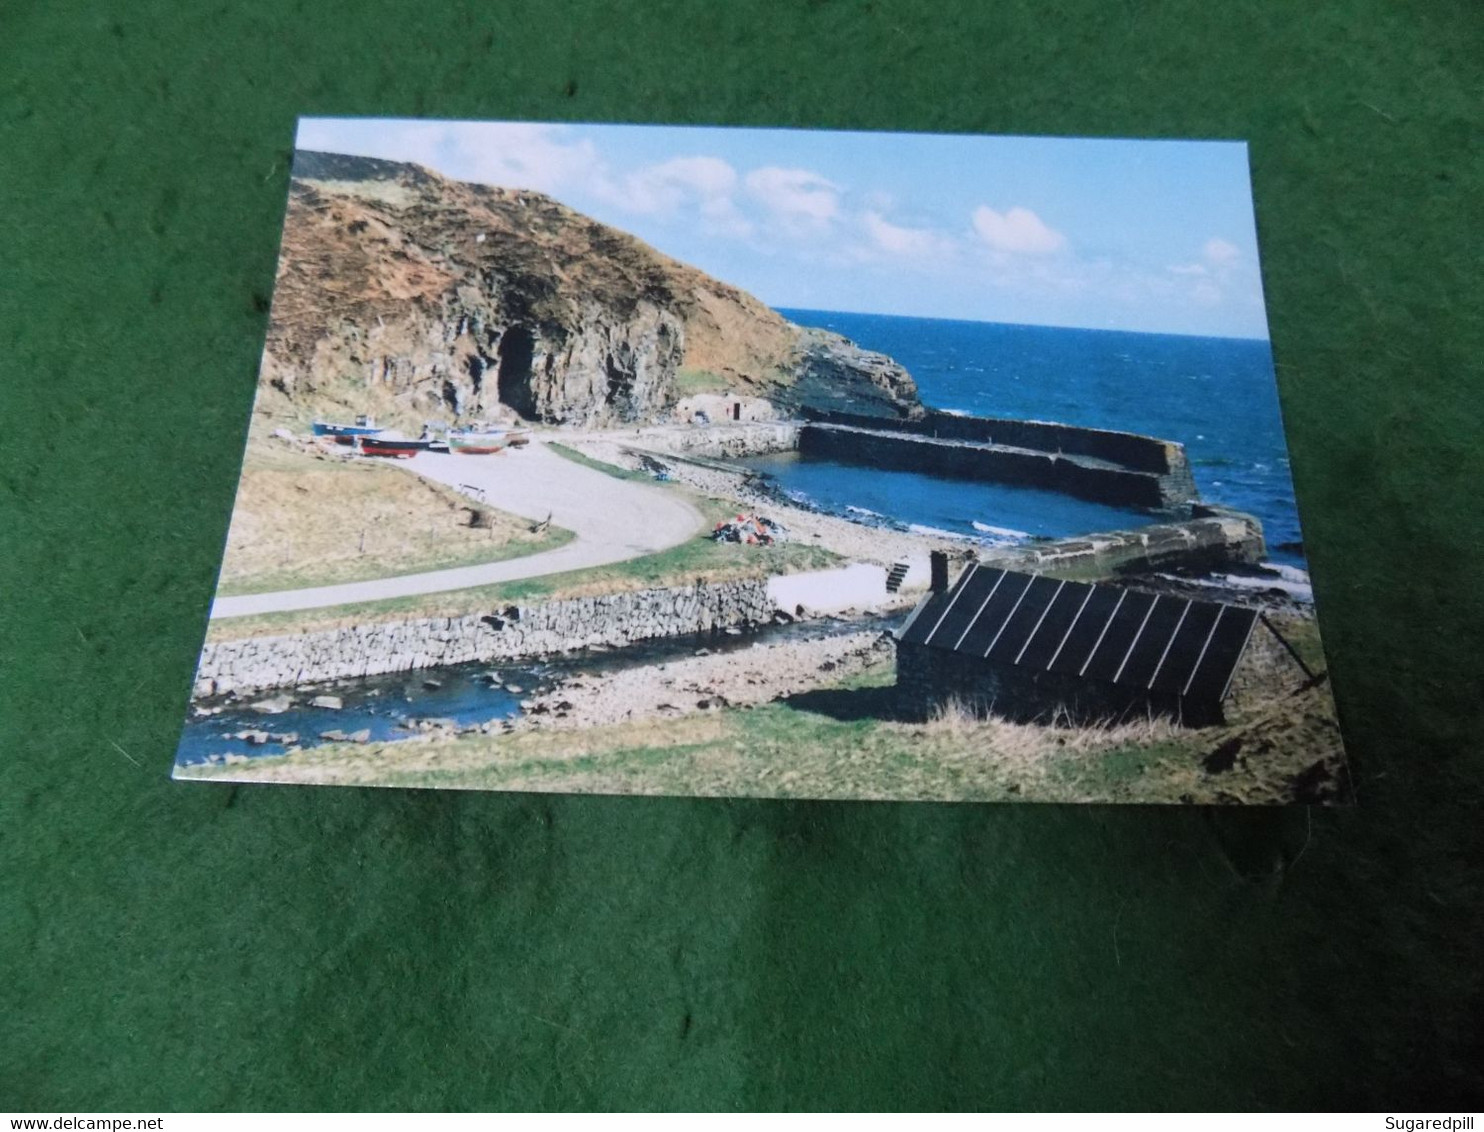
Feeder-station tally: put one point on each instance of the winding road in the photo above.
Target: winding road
(613, 520)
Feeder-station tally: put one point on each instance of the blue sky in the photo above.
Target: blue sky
(1111, 234)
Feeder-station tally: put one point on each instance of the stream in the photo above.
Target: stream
(389, 706)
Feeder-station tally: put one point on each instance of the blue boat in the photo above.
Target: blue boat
(346, 433)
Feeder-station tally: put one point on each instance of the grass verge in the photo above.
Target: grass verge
(587, 461)
(846, 746)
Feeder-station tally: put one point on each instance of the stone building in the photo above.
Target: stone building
(1034, 648)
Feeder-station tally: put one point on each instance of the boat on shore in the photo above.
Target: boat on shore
(396, 447)
(370, 439)
(466, 443)
(346, 433)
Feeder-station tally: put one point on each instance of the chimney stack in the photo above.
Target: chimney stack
(938, 571)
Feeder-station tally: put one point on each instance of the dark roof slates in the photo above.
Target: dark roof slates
(1022, 622)
(1213, 674)
(1055, 629)
(1086, 631)
(982, 588)
(1124, 628)
(1164, 644)
(1186, 648)
(926, 622)
(992, 617)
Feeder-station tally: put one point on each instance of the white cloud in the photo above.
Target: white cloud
(795, 195)
(526, 155)
(1206, 293)
(707, 182)
(519, 155)
(1206, 283)
(904, 242)
(680, 187)
(1018, 231)
(1220, 252)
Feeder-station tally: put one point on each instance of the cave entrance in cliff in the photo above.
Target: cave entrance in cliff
(514, 379)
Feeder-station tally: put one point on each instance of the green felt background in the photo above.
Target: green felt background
(167, 946)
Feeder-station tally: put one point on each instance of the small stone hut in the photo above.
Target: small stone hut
(1039, 649)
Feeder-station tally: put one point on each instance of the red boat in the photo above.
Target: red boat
(396, 447)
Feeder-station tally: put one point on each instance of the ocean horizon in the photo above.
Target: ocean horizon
(1216, 396)
(799, 314)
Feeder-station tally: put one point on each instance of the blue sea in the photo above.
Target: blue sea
(1216, 396)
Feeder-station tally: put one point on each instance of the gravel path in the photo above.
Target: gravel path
(613, 520)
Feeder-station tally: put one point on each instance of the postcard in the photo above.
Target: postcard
(767, 463)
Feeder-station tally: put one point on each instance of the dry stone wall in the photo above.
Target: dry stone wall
(510, 633)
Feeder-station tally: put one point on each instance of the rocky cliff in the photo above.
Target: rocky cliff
(408, 294)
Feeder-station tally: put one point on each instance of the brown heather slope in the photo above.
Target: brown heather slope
(418, 297)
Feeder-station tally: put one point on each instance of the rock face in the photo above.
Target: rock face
(404, 293)
(836, 375)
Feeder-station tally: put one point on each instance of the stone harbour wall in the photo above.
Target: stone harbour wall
(717, 441)
(1131, 450)
(510, 633)
(1206, 543)
(1081, 477)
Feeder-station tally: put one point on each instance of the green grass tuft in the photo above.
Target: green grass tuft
(597, 465)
